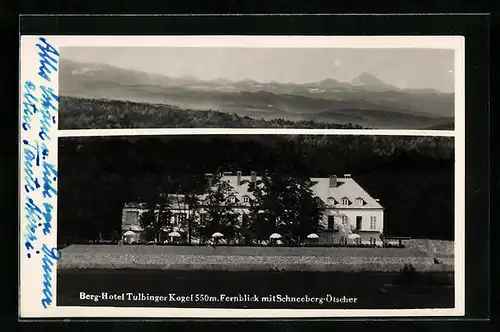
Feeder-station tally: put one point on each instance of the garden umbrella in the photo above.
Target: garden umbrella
(174, 235)
(355, 238)
(128, 235)
(274, 236)
(313, 236)
(216, 237)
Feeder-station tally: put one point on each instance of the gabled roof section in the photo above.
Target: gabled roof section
(135, 205)
(346, 187)
(243, 188)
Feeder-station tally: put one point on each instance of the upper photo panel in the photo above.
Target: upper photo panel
(256, 87)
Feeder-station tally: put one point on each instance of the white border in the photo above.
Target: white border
(247, 131)
(437, 42)
(29, 301)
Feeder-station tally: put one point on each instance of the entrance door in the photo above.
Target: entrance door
(358, 222)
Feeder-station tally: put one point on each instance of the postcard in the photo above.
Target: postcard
(242, 176)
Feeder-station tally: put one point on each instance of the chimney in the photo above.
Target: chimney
(333, 181)
(238, 178)
(377, 200)
(209, 178)
(253, 177)
(347, 176)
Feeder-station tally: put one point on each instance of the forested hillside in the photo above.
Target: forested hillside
(80, 113)
(412, 176)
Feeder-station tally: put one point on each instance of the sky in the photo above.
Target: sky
(404, 68)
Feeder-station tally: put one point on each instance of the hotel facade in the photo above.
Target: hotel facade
(351, 215)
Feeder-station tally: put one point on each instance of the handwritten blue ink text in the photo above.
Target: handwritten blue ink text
(50, 255)
(29, 107)
(48, 119)
(48, 59)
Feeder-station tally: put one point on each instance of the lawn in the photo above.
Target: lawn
(247, 258)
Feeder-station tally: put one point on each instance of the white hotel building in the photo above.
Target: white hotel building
(349, 209)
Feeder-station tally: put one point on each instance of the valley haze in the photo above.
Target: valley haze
(365, 100)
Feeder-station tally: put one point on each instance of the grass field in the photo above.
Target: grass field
(248, 258)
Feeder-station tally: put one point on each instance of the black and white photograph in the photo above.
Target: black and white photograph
(257, 221)
(244, 176)
(257, 87)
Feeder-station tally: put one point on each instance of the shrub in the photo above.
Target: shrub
(408, 276)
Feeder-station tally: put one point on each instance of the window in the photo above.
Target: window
(330, 222)
(345, 201)
(246, 199)
(179, 218)
(344, 218)
(359, 201)
(232, 199)
(330, 201)
(373, 222)
(131, 217)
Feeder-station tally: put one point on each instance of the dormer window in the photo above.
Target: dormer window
(246, 199)
(359, 201)
(330, 201)
(345, 201)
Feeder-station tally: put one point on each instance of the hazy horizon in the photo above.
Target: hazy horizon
(403, 68)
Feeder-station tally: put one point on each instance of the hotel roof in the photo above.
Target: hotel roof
(346, 187)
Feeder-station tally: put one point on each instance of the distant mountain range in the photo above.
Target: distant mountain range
(366, 100)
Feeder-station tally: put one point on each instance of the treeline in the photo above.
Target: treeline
(412, 176)
(81, 113)
(281, 203)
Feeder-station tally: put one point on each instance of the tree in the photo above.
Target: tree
(286, 204)
(219, 208)
(262, 210)
(157, 218)
(193, 204)
(188, 205)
